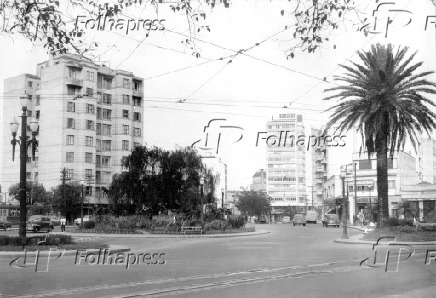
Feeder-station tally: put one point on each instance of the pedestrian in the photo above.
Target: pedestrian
(63, 223)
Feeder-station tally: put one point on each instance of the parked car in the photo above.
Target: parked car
(86, 218)
(56, 221)
(311, 217)
(37, 223)
(299, 219)
(4, 224)
(262, 219)
(331, 220)
(286, 219)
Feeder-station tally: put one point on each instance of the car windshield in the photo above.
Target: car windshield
(34, 218)
(298, 216)
(332, 216)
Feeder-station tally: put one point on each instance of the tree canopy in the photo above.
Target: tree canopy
(253, 203)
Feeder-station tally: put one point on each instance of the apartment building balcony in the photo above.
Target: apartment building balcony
(319, 157)
(137, 92)
(319, 181)
(319, 193)
(319, 170)
(324, 161)
(74, 82)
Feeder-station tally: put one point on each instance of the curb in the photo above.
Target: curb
(90, 235)
(353, 240)
(112, 249)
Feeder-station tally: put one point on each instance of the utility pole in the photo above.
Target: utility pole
(355, 190)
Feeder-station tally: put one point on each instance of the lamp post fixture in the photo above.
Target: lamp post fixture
(24, 142)
(82, 182)
(201, 194)
(344, 204)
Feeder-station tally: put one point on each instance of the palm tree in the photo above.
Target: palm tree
(385, 99)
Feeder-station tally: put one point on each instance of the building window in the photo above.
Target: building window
(71, 90)
(70, 156)
(89, 141)
(107, 130)
(105, 161)
(391, 184)
(125, 145)
(73, 72)
(125, 129)
(88, 190)
(98, 129)
(30, 84)
(98, 160)
(90, 109)
(126, 83)
(90, 76)
(90, 124)
(136, 101)
(89, 91)
(364, 164)
(70, 140)
(137, 116)
(136, 132)
(38, 99)
(104, 82)
(88, 173)
(37, 115)
(126, 99)
(300, 179)
(137, 86)
(88, 157)
(70, 123)
(126, 114)
(98, 145)
(97, 176)
(29, 113)
(99, 113)
(106, 146)
(71, 107)
(107, 114)
(107, 98)
(136, 144)
(70, 174)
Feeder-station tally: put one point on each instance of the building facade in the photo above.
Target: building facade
(259, 181)
(286, 173)
(90, 118)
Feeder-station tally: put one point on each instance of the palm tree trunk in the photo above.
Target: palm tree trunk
(382, 175)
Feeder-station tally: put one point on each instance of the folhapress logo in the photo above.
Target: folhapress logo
(40, 260)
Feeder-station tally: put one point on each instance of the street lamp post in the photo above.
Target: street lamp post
(24, 142)
(82, 182)
(222, 198)
(344, 204)
(202, 194)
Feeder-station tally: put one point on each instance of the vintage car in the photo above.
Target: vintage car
(331, 220)
(86, 218)
(37, 223)
(299, 219)
(4, 224)
(286, 219)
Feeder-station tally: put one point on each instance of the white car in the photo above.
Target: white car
(86, 218)
(369, 228)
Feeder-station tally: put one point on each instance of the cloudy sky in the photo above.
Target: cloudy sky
(249, 90)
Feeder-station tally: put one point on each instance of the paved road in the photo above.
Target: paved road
(288, 262)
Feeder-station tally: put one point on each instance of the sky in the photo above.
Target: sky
(245, 92)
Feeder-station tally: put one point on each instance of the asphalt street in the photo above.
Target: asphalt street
(287, 262)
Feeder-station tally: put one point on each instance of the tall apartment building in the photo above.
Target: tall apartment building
(426, 159)
(286, 173)
(90, 117)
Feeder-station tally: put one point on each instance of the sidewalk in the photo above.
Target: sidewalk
(112, 248)
(163, 235)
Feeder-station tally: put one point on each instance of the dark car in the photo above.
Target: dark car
(5, 225)
(38, 223)
(262, 220)
(331, 220)
(299, 219)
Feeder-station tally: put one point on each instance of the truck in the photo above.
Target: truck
(311, 217)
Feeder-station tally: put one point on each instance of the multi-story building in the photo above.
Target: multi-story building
(219, 169)
(90, 118)
(426, 159)
(286, 173)
(259, 181)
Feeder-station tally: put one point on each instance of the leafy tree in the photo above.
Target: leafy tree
(157, 180)
(67, 198)
(253, 203)
(48, 22)
(386, 98)
(38, 199)
(408, 209)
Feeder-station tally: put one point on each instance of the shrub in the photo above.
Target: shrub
(395, 222)
(428, 228)
(236, 222)
(45, 240)
(220, 225)
(89, 225)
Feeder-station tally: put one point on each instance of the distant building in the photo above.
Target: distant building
(286, 172)
(219, 169)
(232, 199)
(259, 181)
(426, 159)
